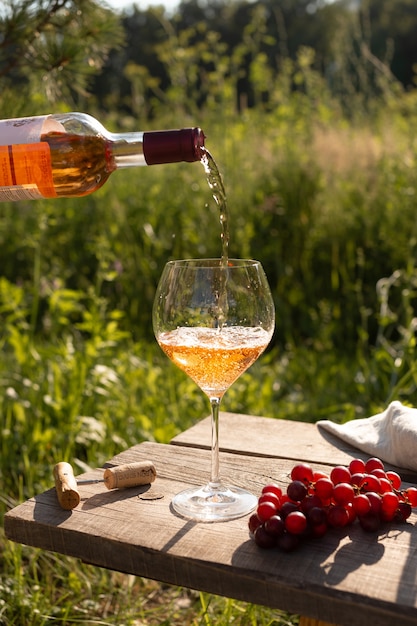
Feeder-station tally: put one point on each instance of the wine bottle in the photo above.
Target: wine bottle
(72, 154)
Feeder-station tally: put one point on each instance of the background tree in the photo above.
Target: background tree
(49, 50)
(391, 28)
(360, 49)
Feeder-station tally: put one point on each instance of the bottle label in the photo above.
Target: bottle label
(21, 130)
(25, 168)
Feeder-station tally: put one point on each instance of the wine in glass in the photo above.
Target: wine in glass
(213, 319)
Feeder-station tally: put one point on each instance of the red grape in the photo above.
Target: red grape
(403, 512)
(314, 501)
(303, 472)
(357, 466)
(389, 505)
(395, 479)
(356, 479)
(317, 475)
(370, 483)
(351, 512)
(337, 516)
(316, 516)
(296, 490)
(273, 488)
(296, 523)
(379, 473)
(411, 495)
(373, 463)
(369, 522)
(265, 510)
(310, 502)
(361, 504)
(287, 508)
(253, 523)
(264, 539)
(375, 500)
(340, 474)
(386, 486)
(274, 525)
(268, 496)
(324, 489)
(343, 493)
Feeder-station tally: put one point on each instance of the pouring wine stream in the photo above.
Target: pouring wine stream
(213, 318)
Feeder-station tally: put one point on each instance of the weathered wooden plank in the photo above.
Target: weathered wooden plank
(269, 437)
(263, 436)
(347, 577)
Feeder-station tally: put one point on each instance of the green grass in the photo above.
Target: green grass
(327, 204)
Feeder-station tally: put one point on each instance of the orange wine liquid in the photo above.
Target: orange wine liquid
(80, 164)
(214, 358)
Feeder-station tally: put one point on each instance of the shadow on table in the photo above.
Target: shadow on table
(47, 509)
(407, 585)
(326, 561)
(113, 496)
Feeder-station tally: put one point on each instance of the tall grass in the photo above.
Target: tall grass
(327, 203)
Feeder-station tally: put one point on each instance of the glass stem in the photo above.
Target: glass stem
(215, 477)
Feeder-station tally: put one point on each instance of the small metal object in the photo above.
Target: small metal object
(151, 495)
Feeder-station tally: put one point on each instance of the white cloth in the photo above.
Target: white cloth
(390, 435)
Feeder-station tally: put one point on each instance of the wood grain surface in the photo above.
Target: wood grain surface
(349, 577)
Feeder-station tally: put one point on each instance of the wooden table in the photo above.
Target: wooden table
(349, 578)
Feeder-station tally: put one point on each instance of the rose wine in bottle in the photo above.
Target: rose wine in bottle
(72, 154)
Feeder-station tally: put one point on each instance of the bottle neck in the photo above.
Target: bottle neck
(126, 150)
(156, 147)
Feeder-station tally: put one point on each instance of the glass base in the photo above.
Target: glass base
(214, 504)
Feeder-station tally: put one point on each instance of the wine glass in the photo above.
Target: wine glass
(213, 319)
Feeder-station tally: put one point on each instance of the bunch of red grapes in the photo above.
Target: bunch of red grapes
(315, 502)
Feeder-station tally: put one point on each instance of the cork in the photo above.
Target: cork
(66, 486)
(129, 475)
